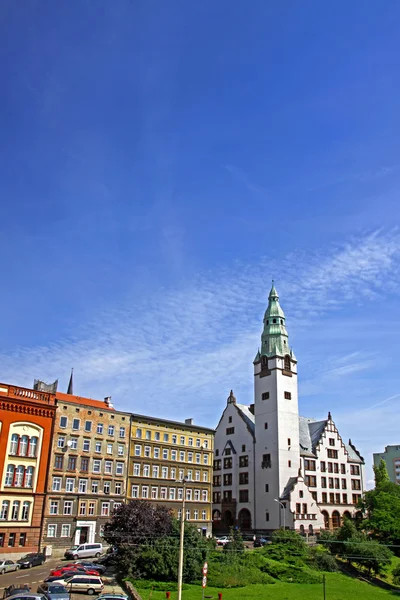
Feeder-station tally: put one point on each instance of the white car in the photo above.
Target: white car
(8, 565)
(82, 583)
(223, 540)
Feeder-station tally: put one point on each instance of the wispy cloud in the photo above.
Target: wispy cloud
(360, 176)
(179, 352)
(243, 178)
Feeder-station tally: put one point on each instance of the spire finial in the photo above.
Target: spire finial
(231, 398)
(70, 389)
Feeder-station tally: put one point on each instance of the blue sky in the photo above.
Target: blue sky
(161, 162)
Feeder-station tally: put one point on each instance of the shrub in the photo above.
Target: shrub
(396, 575)
(324, 561)
(290, 574)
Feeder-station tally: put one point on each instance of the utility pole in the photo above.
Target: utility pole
(284, 511)
(180, 567)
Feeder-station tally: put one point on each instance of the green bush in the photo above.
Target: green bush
(324, 561)
(289, 573)
(229, 576)
(158, 586)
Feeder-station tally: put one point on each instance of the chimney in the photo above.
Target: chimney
(251, 409)
(188, 421)
(108, 402)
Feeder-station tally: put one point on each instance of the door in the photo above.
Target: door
(83, 535)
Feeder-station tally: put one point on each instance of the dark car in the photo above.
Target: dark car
(12, 590)
(108, 559)
(53, 591)
(91, 566)
(259, 542)
(31, 560)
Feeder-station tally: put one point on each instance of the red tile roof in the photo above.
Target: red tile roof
(85, 401)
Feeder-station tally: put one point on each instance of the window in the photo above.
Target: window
(69, 484)
(71, 463)
(82, 486)
(190, 457)
(108, 467)
(323, 482)
(195, 515)
(138, 433)
(205, 476)
(56, 487)
(119, 469)
(188, 515)
(122, 432)
(331, 441)
(14, 443)
(188, 494)
(230, 420)
(67, 507)
(323, 467)
(110, 430)
(190, 441)
(60, 442)
(198, 443)
(135, 491)
(145, 491)
(227, 495)
(217, 465)
(305, 510)
(120, 450)
(330, 467)
(118, 488)
(204, 495)
(309, 465)
(243, 461)
(86, 445)
(343, 469)
(335, 468)
(173, 473)
(172, 493)
(228, 479)
(109, 448)
(301, 494)
(354, 470)
(196, 495)
(288, 396)
(148, 435)
(267, 516)
(95, 487)
(344, 484)
(51, 531)
(243, 478)
(182, 455)
(289, 463)
(9, 475)
(82, 509)
(154, 493)
(63, 422)
(15, 510)
(65, 530)
(29, 477)
(136, 469)
(174, 454)
(98, 447)
(227, 463)
(267, 488)
(230, 430)
(84, 465)
(289, 442)
(146, 470)
(156, 469)
(100, 428)
(164, 472)
(205, 444)
(198, 458)
(4, 510)
(147, 451)
(330, 482)
(33, 446)
(165, 453)
(182, 440)
(344, 498)
(337, 498)
(332, 453)
(332, 498)
(166, 437)
(138, 450)
(54, 507)
(163, 493)
(157, 436)
(23, 445)
(22, 539)
(356, 498)
(204, 515)
(19, 476)
(266, 461)
(265, 396)
(174, 438)
(287, 365)
(311, 480)
(324, 497)
(74, 444)
(76, 423)
(96, 466)
(106, 487)
(265, 425)
(11, 540)
(88, 426)
(26, 507)
(355, 484)
(298, 508)
(105, 509)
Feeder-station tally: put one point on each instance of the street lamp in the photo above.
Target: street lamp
(180, 567)
(284, 507)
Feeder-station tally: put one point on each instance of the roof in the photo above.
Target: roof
(354, 455)
(84, 401)
(310, 432)
(180, 424)
(289, 488)
(247, 416)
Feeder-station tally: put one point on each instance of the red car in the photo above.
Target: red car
(60, 572)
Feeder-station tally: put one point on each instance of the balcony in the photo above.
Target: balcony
(305, 517)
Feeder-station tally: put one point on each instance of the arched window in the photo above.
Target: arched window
(29, 477)
(23, 445)
(33, 446)
(26, 508)
(15, 510)
(310, 529)
(4, 510)
(326, 519)
(335, 519)
(9, 475)
(287, 366)
(19, 476)
(14, 443)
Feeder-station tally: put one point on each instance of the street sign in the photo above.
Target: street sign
(205, 568)
(204, 582)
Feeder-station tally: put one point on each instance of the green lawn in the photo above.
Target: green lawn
(338, 587)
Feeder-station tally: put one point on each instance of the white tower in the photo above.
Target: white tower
(276, 412)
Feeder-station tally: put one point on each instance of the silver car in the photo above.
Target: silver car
(8, 565)
(53, 591)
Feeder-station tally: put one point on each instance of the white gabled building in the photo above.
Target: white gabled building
(273, 468)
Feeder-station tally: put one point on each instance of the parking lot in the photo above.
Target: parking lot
(34, 576)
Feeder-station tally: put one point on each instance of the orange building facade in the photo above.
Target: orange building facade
(26, 429)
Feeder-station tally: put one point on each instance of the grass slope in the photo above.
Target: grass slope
(338, 587)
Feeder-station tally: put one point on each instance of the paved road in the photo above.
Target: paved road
(32, 576)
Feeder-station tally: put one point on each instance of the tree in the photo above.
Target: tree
(381, 473)
(382, 509)
(235, 544)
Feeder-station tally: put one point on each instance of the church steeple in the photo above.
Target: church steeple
(274, 338)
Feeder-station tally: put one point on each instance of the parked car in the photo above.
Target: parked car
(259, 542)
(26, 596)
(8, 565)
(73, 568)
(31, 560)
(223, 540)
(90, 565)
(108, 559)
(53, 591)
(12, 589)
(83, 583)
(84, 551)
(110, 596)
(53, 578)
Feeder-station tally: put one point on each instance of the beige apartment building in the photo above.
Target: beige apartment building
(87, 471)
(162, 454)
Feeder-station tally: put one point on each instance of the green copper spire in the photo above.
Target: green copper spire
(274, 338)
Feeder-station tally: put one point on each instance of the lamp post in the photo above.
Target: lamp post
(182, 535)
(284, 516)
